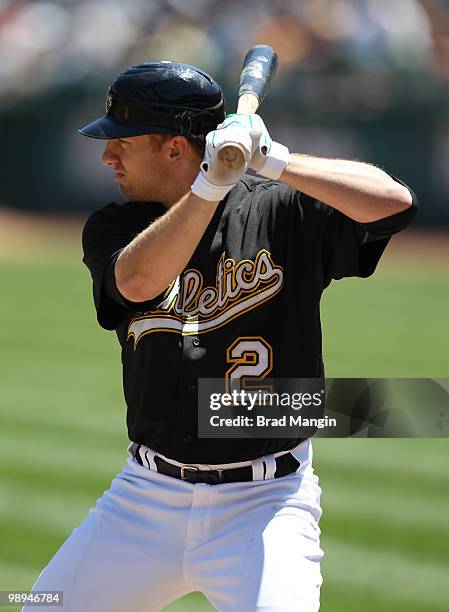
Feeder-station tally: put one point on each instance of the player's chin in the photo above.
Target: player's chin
(125, 190)
(132, 195)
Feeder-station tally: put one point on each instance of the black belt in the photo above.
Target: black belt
(285, 464)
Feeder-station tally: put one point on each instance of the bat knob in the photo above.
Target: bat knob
(229, 165)
(231, 157)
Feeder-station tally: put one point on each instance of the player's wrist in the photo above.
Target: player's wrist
(276, 161)
(208, 191)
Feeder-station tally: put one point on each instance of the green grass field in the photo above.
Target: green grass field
(385, 527)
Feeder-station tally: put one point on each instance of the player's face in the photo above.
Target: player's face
(139, 168)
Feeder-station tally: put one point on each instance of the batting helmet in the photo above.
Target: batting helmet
(160, 97)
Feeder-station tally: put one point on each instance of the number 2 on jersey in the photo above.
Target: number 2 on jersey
(251, 358)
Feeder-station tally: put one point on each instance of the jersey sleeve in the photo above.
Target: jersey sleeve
(106, 233)
(338, 247)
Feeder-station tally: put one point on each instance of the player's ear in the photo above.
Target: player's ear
(177, 147)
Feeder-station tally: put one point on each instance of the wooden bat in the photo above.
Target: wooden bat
(259, 67)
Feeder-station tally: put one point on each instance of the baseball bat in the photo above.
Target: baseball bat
(259, 67)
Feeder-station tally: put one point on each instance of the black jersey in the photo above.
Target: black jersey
(258, 273)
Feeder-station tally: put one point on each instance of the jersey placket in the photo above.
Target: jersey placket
(186, 417)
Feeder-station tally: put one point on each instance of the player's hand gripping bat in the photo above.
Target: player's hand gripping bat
(258, 69)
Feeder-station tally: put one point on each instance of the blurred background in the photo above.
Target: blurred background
(362, 79)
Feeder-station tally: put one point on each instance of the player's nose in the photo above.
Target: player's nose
(110, 156)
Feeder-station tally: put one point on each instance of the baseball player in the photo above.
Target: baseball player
(212, 273)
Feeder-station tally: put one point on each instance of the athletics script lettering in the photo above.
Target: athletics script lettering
(190, 308)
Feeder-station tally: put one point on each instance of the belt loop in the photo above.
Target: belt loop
(147, 456)
(270, 462)
(258, 466)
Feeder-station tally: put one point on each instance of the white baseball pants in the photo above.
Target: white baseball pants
(151, 538)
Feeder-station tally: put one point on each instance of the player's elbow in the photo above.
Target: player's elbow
(134, 286)
(393, 199)
(397, 198)
(400, 197)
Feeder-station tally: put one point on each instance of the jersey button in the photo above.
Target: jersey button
(192, 388)
(196, 342)
(188, 439)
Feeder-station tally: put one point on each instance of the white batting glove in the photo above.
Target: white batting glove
(269, 158)
(217, 177)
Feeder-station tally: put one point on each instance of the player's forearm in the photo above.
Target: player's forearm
(155, 257)
(358, 190)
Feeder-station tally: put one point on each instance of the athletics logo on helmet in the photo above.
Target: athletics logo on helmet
(108, 103)
(160, 98)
